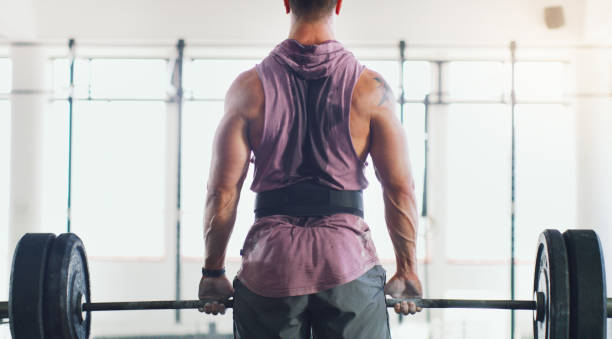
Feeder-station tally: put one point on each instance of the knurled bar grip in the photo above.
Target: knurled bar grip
(424, 303)
(609, 308)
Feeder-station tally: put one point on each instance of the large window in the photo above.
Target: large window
(546, 154)
(5, 76)
(546, 173)
(5, 142)
(479, 145)
(118, 177)
(541, 81)
(417, 84)
(112, 79)
(55, 160)
(5, 155)
(478, 80)
(210, 79)
(118, 152)
(478, 182)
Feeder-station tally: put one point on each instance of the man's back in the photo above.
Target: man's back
(372, 99)
(305, 146)
(309, 260)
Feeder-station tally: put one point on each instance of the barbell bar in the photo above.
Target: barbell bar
(195, 304)
(529, 305)
(423, 303)
(50, 295)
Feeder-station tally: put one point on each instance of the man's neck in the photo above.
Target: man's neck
(312, 33)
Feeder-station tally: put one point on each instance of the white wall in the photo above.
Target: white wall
(17, 20)
(598, 28)
(434, 21)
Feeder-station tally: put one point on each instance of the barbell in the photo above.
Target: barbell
(50, 297)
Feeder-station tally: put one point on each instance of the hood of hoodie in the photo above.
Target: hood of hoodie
(310, 61)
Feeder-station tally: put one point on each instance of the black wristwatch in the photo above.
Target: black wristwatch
(213, 273)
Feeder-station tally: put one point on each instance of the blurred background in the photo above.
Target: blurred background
(99, 125)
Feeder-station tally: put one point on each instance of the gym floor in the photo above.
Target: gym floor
(492, 170)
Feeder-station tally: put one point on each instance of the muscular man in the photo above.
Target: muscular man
(311, 114)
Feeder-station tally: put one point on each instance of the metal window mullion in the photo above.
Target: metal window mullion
(513, 191)
(402, 60)
(72, 56)
(178, 98)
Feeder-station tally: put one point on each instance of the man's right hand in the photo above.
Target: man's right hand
(215, 289)
(405, 286)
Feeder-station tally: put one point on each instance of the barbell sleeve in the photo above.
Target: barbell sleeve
(423, 303)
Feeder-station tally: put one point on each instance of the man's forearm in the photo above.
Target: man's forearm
(219, 220)
(402, 222)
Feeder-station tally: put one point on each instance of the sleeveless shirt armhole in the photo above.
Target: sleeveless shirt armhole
(358, 75)
(259, 71)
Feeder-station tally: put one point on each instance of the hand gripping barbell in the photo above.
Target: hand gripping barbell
(50, 297)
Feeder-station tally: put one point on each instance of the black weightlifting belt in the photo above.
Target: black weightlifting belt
(307, 199)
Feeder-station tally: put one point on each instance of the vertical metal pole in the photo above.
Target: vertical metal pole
(424, 206)
(178, 85)
(402, 98)
(72, 58)
(513, 190)
(440, 79)
(424, 209)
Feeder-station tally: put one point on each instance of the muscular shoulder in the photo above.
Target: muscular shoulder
(373, 95)
(245, 95)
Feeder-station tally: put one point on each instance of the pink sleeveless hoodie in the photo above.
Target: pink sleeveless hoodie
(306, 137)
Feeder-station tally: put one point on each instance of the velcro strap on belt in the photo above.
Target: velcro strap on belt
(308, 199)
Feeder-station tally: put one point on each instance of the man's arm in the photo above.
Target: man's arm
(230, 161)
(389, 151)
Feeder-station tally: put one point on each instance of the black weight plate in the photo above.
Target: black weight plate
(552, 279)
(26, 289)
(588, 314)
(67, 288)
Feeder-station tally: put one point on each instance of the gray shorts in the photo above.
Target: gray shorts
(355, 310)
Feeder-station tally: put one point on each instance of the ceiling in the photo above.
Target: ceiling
(473, 21)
